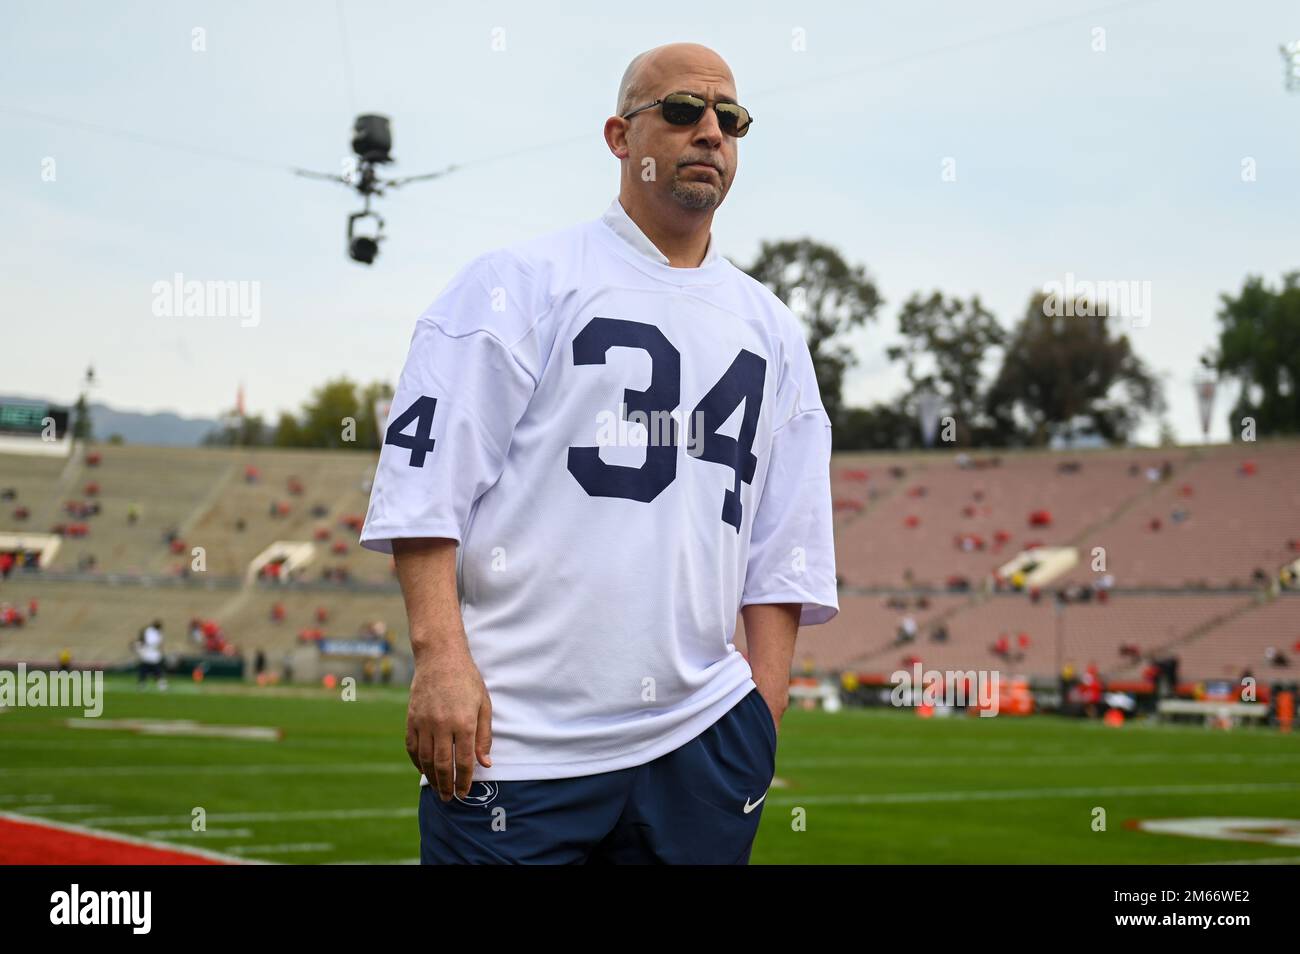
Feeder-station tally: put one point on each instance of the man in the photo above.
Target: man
(149, 651)
(604, 443)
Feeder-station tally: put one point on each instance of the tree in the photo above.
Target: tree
(288, 432)
(238, 432)
(82, 426)
(829, 297)
(1259, 343)
(879, 427)
(368, 429)
(946, 343)
(1060, 374)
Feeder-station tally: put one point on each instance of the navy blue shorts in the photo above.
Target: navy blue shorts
(699, 804)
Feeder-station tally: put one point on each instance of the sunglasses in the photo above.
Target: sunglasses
(685, 109)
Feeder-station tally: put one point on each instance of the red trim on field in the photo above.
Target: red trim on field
(30, 841)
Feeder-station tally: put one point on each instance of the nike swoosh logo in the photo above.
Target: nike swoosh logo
(749, 808)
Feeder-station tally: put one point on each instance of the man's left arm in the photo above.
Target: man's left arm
(770, 631)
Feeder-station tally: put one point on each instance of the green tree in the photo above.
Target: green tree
(879, 427)
(82, 428)
(1062, 372)
(830, 297)
(946, 344)
(288, 432)
(1259, 344)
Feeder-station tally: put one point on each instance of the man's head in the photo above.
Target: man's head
(682, 169)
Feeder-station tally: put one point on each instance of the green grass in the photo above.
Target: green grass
(875, 786)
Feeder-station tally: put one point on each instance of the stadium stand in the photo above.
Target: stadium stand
(919, 535)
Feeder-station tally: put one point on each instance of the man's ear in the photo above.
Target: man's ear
(616, 136)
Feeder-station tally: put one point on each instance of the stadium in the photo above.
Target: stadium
(330, 782)
(987, 364)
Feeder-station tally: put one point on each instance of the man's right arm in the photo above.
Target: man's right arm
(449, 719)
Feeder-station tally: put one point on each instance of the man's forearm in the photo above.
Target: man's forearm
(426, 570)
(770, 632)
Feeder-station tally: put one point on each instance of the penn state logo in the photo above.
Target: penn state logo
(480, 793)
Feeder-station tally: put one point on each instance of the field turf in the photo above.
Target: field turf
(877, 786)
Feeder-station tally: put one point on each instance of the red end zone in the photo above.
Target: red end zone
(36, 841)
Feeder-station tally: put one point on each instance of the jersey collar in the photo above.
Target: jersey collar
(621, 224)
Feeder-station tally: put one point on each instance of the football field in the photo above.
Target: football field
(299, 775)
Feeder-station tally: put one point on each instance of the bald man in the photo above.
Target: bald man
(606, 443)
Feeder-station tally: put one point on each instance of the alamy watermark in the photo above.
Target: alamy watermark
(653, 429)
(179, 298)
(1089, 299)
(930, 687)
(70, 689)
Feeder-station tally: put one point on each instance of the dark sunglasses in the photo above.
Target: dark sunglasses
(685, 109)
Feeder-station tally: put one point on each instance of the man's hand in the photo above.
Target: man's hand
(449, 722)
(776, 695)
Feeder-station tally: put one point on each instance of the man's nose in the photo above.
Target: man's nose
(707, 130)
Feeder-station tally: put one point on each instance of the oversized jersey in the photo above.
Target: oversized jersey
(627, 453)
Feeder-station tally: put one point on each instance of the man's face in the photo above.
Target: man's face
(693, 166)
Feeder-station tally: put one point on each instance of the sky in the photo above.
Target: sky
(982, 149)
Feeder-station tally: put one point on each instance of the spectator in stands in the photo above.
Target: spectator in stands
(1276, 657)
(132, 513)
(1067, 680)
(906, 630)
(939, 634)
(65, 660)
(32, 607)
(259, 662)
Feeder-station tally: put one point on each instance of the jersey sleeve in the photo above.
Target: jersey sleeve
(792, 546)
(462, 391)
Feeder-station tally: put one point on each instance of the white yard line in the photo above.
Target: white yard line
(281, 849)
(1293, 860)
(277, 768)
(67, 809)
(165, 833)
(868, 761)
(1028, 794)
(341, 814)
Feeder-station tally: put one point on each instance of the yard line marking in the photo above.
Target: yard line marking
(1140, 758)
(1292, 860)
(385, 861)
(236, 817)
(277, 768)
(181, 727)
(905, 798)
(281, 849)
(189, 833)
(67, 809)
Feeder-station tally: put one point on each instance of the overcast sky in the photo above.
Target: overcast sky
(1118, 164)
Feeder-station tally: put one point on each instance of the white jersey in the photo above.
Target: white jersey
(149, 649)
(627, 453)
